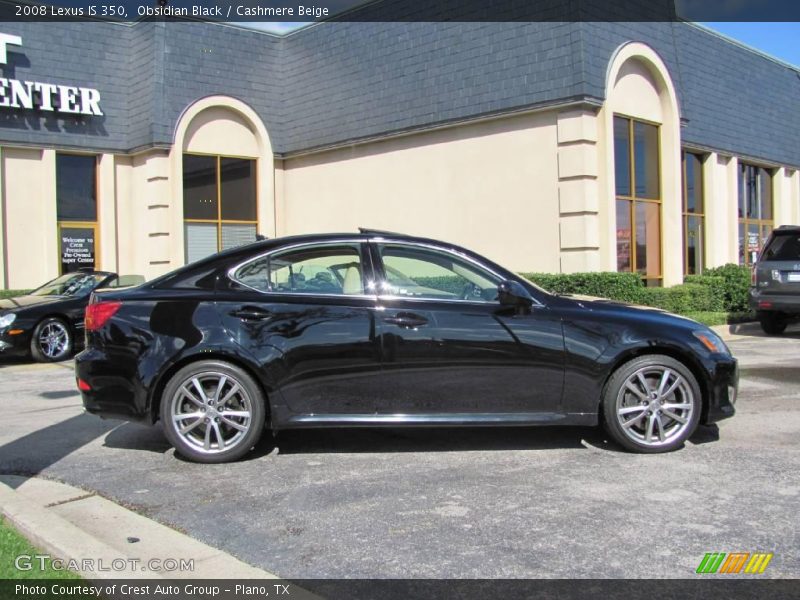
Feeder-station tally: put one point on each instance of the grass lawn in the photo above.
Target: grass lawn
(12, 545)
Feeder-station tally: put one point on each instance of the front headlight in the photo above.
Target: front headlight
(711, 341)
(7, 319)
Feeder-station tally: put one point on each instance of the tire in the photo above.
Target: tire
(653, 414)
(51, 341)
(196, 436)
(772, 323)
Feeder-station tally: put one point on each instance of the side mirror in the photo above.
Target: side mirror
(513, 293)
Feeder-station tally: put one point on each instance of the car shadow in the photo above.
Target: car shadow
(137, 437)
(23, 361)
(31, 454)
(438, 439)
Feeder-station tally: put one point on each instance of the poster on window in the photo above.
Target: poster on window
(77, 248)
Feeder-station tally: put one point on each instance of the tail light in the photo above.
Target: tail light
(98, 314)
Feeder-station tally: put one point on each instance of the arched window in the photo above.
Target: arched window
(642, 124)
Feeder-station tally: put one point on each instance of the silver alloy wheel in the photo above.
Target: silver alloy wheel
(54, 340)
(211, 412)
(654, 405)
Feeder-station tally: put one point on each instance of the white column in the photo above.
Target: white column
(3, 265)
(52, 247)
(107, 213)
(784, 198)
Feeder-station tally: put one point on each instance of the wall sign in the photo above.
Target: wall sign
(77, 248)
(48, 97)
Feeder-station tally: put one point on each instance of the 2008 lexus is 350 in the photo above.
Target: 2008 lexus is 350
(381, 329)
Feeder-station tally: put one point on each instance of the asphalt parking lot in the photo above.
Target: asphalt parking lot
(446, 503)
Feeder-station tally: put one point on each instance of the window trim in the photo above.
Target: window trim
(219, 221)
(685, 214)
(376, 270)
(380, 273)
(95, 225)
(745, 221)
(633, 199)
(366, 260)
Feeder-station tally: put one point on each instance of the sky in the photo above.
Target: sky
(781, 40)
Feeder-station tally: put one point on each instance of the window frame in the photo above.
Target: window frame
(367, 268)
(94, 225)
(746, 221)
(380, 273)
(685, 214)
(632, 199)
(219, 221)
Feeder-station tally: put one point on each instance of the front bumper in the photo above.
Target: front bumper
(15, 345)
(723, 388)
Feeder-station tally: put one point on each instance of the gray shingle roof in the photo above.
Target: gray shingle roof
(337, 82)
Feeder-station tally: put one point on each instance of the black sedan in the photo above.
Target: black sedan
(48, 322)
(380, 329)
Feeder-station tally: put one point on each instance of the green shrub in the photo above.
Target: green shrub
(680, 299)
(716, 287)
(12, 293)
(452, 284)
(626, 287)
(737, 285)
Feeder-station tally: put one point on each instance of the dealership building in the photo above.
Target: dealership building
(654, 147)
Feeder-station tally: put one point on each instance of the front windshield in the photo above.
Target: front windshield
(71, 284)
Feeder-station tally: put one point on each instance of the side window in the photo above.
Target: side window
(309, 270)
(416, 272)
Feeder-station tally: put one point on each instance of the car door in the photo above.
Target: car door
(304, 314)
(449, 347)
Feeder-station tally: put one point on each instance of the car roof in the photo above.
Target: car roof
(787, 229)
(264, 246)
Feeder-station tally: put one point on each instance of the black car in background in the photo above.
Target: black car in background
(47, 323)
(775, 290)
(381, 329)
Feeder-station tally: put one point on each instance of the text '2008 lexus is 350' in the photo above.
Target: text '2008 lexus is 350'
(380, 329)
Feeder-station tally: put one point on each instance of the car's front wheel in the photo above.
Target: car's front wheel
(652, 404)
(212, 412)
(51, 340)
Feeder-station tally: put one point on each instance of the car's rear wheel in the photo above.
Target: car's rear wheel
(212, 412)
(772, 323)
(652, 404)
(51, 340)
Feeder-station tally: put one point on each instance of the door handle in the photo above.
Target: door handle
(407, 320)
(251, 314)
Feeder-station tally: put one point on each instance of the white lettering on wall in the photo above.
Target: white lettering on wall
(30, 95)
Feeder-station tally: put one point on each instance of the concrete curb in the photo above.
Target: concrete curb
(74, 525)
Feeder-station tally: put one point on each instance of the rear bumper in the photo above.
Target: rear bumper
(115, 389)
(763, 301)
(722, 392)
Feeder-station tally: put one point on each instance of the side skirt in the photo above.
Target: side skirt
(437, 420)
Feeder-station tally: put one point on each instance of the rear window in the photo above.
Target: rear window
(783, 247)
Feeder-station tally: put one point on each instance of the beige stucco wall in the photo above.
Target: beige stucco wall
(490, 186)
(534, 192)
(29, 201)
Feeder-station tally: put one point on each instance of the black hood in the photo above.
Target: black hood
(22, 302)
